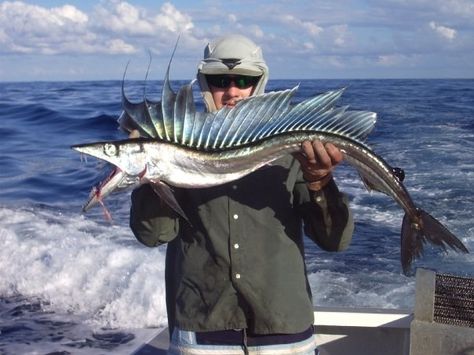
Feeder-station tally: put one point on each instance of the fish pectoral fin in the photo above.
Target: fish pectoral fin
(371, 183)
(368, 185)
(167, 196)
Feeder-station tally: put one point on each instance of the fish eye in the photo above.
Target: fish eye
(110, 149)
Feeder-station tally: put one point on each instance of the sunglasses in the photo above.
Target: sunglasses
(224, 81)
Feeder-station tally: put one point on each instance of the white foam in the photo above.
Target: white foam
(375, 289)
(77, 265)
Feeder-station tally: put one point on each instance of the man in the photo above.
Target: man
(235, 275)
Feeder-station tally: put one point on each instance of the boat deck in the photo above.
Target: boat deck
(365, 331)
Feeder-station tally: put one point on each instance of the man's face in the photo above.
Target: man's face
(227, 90)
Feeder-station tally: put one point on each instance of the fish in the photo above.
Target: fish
(191, 149)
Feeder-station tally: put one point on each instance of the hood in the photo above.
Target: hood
(231, 54)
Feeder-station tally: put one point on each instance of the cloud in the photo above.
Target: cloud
(463, 9)
(117, 46)
(232, 18)
(337, 35)
(443, 31)
(392, 60)
(28, 28)
(173, 20)
(110, 28)
(120, 17)
(308, 27)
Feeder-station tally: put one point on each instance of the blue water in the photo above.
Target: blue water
(75, 283)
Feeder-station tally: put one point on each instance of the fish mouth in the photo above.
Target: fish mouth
(96, 195)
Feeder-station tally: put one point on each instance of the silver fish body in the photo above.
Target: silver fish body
(184, 167)
(157, 161)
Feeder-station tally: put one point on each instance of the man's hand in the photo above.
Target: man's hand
(134, 134)
(317, 162)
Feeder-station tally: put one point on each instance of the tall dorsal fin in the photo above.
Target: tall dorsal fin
(168, 98)
(137, 112)
(255, 118)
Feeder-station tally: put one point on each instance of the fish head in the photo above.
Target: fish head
(127, 155)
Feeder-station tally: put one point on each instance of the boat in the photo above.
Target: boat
(442, 322)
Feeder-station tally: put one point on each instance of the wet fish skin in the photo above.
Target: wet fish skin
(157, 161)
(190, 168)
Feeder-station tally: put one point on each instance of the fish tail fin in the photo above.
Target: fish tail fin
(425, 228)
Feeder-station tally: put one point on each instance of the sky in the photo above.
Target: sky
(346, 39)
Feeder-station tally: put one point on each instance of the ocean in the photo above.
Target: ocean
(75, 283)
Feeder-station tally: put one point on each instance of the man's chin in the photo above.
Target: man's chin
(231, 103)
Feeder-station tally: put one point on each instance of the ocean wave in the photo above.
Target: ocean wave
(363, 289)
(75, 265)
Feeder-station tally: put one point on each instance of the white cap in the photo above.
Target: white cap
(232, 54)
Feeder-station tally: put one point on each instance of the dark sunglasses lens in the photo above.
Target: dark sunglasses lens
(224, 81)
(243, 82)
(219, 81)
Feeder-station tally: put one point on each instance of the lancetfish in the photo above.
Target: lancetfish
(186, 148)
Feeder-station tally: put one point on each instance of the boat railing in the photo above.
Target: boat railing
(444, 315)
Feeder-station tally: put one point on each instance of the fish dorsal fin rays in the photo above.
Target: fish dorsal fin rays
(184, 114)
(259, 113)
(136, 114)
(176, 120)
(168, 99)
(320, 114)
(266, 115)
(314, 105)
(191, 121)
(232, 127)
(154, 119)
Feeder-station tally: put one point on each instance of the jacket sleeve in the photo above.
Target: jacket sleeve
(326, 215)
(152, 222)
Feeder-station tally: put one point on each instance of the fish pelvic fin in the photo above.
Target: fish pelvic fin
(167, 196)
(425, 229)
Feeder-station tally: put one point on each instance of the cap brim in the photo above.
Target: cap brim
(240, 69)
